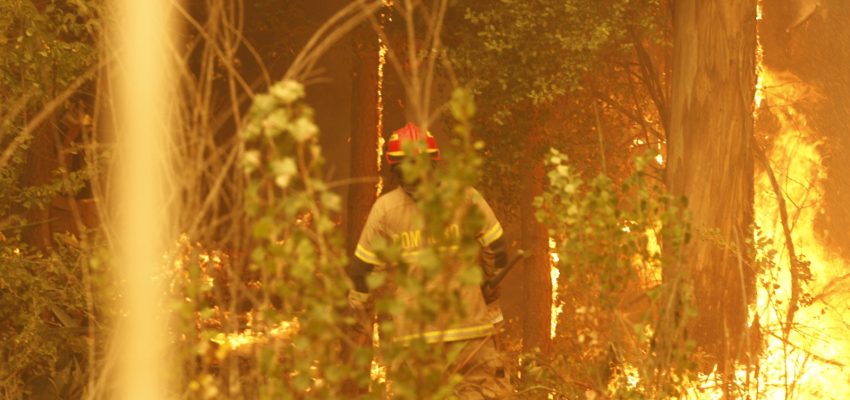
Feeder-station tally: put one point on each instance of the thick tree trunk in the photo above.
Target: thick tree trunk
(41, 162)
(364, 125)
(363, 140)
(710, 162)
(537, 288)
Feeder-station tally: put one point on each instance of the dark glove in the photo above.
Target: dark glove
(358, 301)
(362, 306)
(491, 293)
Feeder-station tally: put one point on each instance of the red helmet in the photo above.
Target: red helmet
(410, 133)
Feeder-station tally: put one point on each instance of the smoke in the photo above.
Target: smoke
(803, 10)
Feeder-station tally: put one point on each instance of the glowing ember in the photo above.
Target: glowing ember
(382, 60)
(554, 273)
(378, 372)
(283, 331)
(759, 96)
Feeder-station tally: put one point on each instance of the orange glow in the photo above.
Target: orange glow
(649, 269)
(378, 372)
(811, 364)
(382, 60)
(554, 273)
(283, 331)
(759, 96)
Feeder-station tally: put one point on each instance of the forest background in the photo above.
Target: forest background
(636, 149)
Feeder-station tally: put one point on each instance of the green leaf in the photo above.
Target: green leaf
(331, 201)
(264, 228)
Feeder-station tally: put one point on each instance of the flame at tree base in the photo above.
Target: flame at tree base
(812, 360)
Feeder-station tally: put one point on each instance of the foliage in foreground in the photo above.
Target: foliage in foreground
(273, 322)
(621, 325)
(50, 296)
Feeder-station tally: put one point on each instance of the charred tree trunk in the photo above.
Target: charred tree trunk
(41, 162)
(537, 290)
(364, 123)
(710, 162)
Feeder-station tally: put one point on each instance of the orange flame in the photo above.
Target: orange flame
(284, 331)
(811, 363)
(382, 59)
(554, 273)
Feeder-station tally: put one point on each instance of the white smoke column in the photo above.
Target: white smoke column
(141, 78)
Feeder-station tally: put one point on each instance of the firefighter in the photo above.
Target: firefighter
(393, 218)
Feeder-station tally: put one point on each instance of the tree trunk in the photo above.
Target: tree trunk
(710, 162)
(364, 130)
(537, 290)
(41, 162)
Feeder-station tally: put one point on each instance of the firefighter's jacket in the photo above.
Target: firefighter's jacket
(395, 219)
